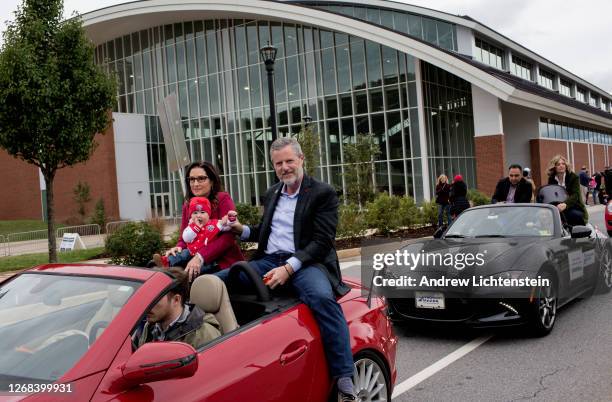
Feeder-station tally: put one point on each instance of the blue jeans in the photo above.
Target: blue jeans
(441, 209)
(314, 289)
(182, 258)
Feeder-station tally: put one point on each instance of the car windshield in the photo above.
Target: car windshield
(48, 322)
(503, 222)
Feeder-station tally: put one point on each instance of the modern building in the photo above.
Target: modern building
(441, 93)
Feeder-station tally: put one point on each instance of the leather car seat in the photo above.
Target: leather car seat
(210, 294)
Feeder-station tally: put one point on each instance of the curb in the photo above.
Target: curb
(348, 253)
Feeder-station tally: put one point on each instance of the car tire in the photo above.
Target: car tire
(604, 274)
(543, 311)
(609, 232)
(368, 368)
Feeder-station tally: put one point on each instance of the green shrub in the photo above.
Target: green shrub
(429, 213)
(351, 221)
(248, 214)
(383, 213)
(133, 244)
(99, 215)
(408, 212)
(171, 242)
(478, 198)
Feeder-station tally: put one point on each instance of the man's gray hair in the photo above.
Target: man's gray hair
(283, 142)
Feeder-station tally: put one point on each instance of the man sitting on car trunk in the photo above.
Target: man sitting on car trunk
(514, 188)
(172, 319)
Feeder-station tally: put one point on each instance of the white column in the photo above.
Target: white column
(422, 132)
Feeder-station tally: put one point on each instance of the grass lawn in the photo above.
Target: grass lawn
(18, 226)
(13, 263)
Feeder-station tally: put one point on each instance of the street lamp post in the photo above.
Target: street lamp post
(268, 54)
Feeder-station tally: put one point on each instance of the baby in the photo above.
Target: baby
(200, 230)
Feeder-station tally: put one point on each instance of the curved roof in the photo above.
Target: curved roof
(111, 22)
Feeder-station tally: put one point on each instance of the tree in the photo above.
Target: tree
(309, 142)
(99, 215)
(54, 98)
(359, 168)
(81, 195)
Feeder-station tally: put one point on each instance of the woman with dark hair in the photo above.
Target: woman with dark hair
(203, 180)
(458, 196)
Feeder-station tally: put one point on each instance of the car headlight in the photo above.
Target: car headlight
(610, 208)
(507, 275)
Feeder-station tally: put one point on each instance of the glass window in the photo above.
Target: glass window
(329, 74)
(373, 62)
(253, 44)
(358, 63)
(400, 22)
(390, 68)
(521, 68)
(415, 25)
(392, 97)
(580, 95)
(565, 88)
(386, 18)
(290, 40)
(378, 129)
(331, 106)
(376, 100)
(293, 85)
(254, 86)
(373, 15)
(343, 65)
(241, 48)
(546, 79)
(429, 31)
(394, 131)
(334, 141)
(211, 52)
(361, 102)
(445, 35)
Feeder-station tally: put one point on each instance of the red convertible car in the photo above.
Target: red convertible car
(67, 334)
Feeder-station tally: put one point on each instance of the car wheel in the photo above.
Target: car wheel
(610, 233)
(371, 378)
(604, 277)
(543, 312)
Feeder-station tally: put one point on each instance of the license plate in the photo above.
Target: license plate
(432, 300)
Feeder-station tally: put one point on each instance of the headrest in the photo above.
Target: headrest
(207, 293)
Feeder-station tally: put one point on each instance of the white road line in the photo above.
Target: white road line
(439, 365)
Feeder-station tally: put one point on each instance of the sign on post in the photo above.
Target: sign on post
(174, 139)
(71, 241)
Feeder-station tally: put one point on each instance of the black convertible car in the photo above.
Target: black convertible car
(525, 264)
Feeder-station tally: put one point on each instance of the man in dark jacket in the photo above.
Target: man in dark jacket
(296, 245)
(514, 188)
(171, 319)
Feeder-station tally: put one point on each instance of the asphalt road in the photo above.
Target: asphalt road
(573, 363)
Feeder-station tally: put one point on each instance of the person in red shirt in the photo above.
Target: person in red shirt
(198, 233)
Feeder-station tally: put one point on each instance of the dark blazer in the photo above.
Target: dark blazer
(458, 198)
(523, 193)
(314, 228)
(574, 197)
(442, 193)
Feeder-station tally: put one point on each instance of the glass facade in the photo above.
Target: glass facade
(546, 79)
(348, 85)
(550, 128)
(437, 32)
(565, 88)
(521, 68)
(489, 54)
(450, 125)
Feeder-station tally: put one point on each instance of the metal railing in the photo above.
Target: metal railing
(83, 230)
(112, 227)
(3, 246)
(37, 241)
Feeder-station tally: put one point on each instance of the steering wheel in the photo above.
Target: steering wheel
(241, 269)
(93, 331)
(60, 336)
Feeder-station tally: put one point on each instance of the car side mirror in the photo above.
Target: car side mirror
(579, 232)
(157, 361)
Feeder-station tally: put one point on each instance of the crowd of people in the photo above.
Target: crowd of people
(518, 187)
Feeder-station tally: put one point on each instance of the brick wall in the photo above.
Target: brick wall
(21, 188)
(599, 158)
(542, 151)
(581, 156)
(490, 161)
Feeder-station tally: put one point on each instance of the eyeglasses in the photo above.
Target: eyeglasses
(199, 179)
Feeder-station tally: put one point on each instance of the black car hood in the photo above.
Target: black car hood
(497, 255)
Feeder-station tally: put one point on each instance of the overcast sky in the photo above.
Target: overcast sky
(575, 35)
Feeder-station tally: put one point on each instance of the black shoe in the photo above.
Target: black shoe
(151, 264)
(342, 397)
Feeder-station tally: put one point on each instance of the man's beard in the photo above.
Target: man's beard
(297, 175)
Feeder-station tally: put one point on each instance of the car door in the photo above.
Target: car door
(269, 360)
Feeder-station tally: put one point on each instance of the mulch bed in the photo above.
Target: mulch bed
(354, 242)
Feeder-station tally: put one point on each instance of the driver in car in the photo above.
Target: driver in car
(172, 319)
(542, 223)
